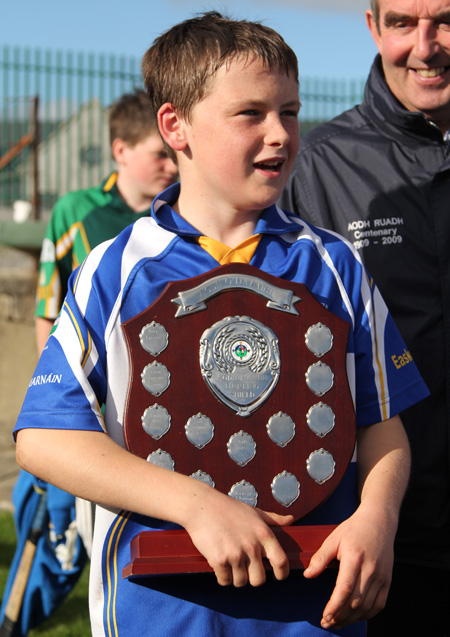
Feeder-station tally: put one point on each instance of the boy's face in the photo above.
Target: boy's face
(243, 136)
(147, 166)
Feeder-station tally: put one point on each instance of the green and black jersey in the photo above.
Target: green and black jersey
(80, 221)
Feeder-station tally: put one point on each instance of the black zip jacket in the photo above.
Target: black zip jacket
(380, 176)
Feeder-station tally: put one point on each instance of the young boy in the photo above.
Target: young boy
(84, 218)
(226, 94)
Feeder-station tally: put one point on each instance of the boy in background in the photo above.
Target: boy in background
(84, 218)
(226, 94)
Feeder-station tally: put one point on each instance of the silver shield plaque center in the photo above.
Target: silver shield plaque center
(240, 362)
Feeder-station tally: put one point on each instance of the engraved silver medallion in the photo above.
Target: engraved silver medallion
(281, 429)
(319, 339)
(319, 378)
(156, 378)
(202, 476)
(156, 421)
(240, 362)
(154, 338)
(162, 459)
(320, 465)
(285, 488)
(245, 492)
(241, 448)
(199, 430)
(320, 419)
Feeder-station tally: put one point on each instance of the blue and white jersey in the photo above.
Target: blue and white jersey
(85, 365)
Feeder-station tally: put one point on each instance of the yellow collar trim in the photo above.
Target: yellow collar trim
(242, 253)
(110, 183)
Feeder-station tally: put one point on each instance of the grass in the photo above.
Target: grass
(71, 619)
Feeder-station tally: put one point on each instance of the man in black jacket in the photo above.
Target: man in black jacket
(379, 174)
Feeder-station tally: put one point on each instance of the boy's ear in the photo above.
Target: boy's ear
(118, 148)
(172, 127)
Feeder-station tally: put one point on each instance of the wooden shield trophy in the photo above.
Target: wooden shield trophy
(238, 379)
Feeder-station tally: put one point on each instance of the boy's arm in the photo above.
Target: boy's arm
(363, 544)
(43, 327)
(232, 536)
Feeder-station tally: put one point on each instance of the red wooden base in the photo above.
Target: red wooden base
(170, 552)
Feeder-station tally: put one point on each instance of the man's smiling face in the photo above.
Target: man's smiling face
(413, 38)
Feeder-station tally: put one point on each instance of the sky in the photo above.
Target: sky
(330, 37)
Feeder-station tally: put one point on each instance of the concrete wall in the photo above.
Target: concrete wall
(18, 354)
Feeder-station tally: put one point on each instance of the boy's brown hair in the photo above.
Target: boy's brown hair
(132, 118)
(178, 66)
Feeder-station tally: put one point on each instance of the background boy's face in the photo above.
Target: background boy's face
(147, 165)
(243, 136)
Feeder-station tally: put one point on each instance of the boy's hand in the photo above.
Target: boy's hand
(363, 544)
(235, 538)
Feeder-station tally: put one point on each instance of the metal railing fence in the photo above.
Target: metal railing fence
(74, 90)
